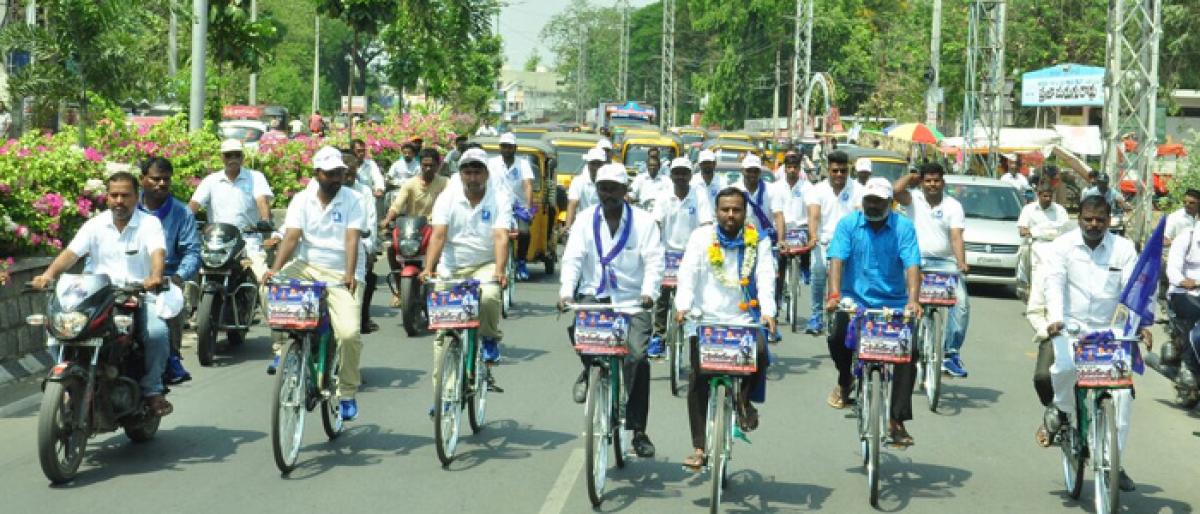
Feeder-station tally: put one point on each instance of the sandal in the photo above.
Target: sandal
(395, 301)
(835, 399)
(747, 416)
(1043, 436)
(695, 462)
(159, 406)
(900, 437)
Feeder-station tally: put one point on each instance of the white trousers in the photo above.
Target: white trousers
(1062, 377)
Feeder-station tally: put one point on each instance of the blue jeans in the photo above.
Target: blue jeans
(819, 267)
(957, 319)
(152, 332)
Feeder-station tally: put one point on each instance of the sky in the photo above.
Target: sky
(521, 22)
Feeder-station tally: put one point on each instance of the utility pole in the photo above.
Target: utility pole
(173, 42)
(1130, 101)
(801, 68)
(985, 91)
(199, 50)
(253, 76)
(581, 76)
(316, 80)
(623, 80)
(775, 103)
(667, 85)
(933, 97)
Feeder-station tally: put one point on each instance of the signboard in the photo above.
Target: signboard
(1101, 363)
(601, 332)
(241, 112)
(1068, 85)
(453, 309)
(729, 350)
(885, 340)
(671, 262)
(357, 106)
(294, 307)
(938, 289)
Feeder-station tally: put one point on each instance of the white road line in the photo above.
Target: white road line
(557, 499)
(20, 405)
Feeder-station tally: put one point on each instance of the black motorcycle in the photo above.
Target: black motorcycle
(228, 288)
(1169, 361)
(93, 388)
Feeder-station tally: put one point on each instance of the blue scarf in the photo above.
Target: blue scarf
(764, 221)
(608, 277)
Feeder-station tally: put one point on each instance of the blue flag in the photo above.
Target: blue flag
(1138, 295)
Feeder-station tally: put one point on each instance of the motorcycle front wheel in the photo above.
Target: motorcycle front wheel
(206, 328)
(61, 441)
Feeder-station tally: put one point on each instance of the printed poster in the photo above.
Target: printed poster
(601, 332)
(730, 350)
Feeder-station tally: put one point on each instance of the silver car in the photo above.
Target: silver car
(991, 237)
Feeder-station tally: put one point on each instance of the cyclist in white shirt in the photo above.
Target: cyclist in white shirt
(322, 231)
(764, 211)
(707, 176)
(583, 187)
(940, 221)
(679, 211)
(648, 187)
(792, 191)
(516, 176)
(830, 201)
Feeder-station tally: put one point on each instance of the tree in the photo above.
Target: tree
(366, 18)
(534, 60)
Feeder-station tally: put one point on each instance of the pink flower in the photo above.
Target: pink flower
(35, 239)
(93, 155)
(56, 243)
(305, 180)
(5, 190)
(49, 204)
(22, 231)
(53, 227)
(23, 153)
(84, 206)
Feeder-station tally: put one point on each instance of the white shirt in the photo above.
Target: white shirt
(1084, 285)
(323, 228)
(1016, 180)
(1044, 224)
(679, 218)
(511, 177)
(645, 189)
(469, 229)
(638, 267)
(1183, 262)
(792, 200)
(712, 188)
(107, 249)
(766, 201)
(834, 206)
(233, 202)
(369, 175)
(583, 190)
(366, 245)
(402, 170)
(934, 223)
(699, 289)
(1177, 223)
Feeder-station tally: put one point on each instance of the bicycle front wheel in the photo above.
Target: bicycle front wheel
(934, 353)
(477, 406)
(288, 405)
(793, 287)
(874, 390)
(597, 427)
(506, 294)
(1106, 458)
(720, 415)
(331, 412)
(1072, 460)
(447, 409)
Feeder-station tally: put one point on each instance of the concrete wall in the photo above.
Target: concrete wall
(20, 339)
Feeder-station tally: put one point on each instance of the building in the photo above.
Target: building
(532, 96)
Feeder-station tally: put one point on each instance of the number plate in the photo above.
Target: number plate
(601, 332)
(1103, 364)
(294, 307)
(938, 289)
(671, 268)
(454, 308)
(882, 339)
(728, 350)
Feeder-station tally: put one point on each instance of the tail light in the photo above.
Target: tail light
(123, 323)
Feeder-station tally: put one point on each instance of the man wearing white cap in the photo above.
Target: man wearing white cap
(615, 254)
(470, 240)
(940, 222)
(830, 201)
(607, 147)
(764, 211)
(874, 261)
(517, 176)
(322, 230)
(648, 187)
(679, 211)
(791, 191)
(583, 187)
(238, 196)
(707, 178)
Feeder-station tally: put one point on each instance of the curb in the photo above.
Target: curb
(28, 365)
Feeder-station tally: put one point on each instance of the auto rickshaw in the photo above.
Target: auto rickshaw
(569, 148)
(543, 160)
(884, 163)
(635, 150)
(730, 150)
(533, 131)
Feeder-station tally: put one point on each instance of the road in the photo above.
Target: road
(976, 455)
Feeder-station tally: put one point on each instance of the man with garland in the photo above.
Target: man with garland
(728, 276)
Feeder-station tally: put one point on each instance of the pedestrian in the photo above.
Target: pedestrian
(316, 125)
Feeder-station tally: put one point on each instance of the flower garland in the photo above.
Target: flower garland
(716, 260)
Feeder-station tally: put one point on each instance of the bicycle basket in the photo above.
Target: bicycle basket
(729, 350)
(885, 338)
(454, 308)
(295, 305)
(601, 332)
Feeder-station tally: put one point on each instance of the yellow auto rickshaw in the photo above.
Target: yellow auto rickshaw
(635, 150)
(543, 160)
(570, 148)
(533, 131)
(730, 151)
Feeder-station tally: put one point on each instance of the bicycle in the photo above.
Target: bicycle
(883, 340)
(452, 313)
(938, 285)
(510, 270)
(726, 351)
(600, 335)
(796, 239)
(308, 368)
(1092, 435)
(676, 341)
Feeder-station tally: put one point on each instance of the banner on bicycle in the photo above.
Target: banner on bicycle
(795, 238)
(885, 339)
(1101, 362)
(938, 289)
(601, 332)
(294, 306)
(671, 260)
(729, 350)
(454, 308)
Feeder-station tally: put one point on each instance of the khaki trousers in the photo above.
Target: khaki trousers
(489, 310)
(344, 315)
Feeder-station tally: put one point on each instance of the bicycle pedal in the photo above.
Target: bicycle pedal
(738, 434)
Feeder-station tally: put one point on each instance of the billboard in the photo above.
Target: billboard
(1067, 85)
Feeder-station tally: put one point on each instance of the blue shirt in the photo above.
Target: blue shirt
(874, 261)
(182, 238)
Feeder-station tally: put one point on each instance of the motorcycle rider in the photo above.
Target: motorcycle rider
(679, 211)
(322, 231)
(129, 246)
(517, 176)
(450, 165)
(1183, 218)
(1116, 201)
(583, 187)
(416, 198)
(1183, 273)
(407, 167)
(182, 261)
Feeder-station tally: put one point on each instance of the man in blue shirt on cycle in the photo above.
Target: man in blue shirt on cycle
(876, 251)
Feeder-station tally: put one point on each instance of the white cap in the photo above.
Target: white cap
(681, 162)
(879, 187)
(862, 164)
(604, 144)
(706, 156)
(508, 139)
(612, 173)
(595, 154)
(751, 161)
(232, 145)
(473, 155)
(328, 158)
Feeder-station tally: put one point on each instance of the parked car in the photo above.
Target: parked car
(249, 132)
(992, 208)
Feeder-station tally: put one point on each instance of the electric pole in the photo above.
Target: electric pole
(316, 79)
(985, 92)
(933, 96)
(199, 50)
(581, 77)
(775, 103)
(253, 76)
(801, 68)
(667, 86)
(623, 80)
(173, 41)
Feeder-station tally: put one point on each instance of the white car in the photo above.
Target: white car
(246, 131)
(992, 208)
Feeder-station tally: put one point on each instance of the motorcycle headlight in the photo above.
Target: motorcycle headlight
(409, 247)
(214, 258)
(69, 324)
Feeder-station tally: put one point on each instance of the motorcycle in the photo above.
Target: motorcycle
(406, 256)
(93, 387)
(1169, 361)
(228, 288)
(1117, 224)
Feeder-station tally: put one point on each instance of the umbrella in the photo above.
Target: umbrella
(916, 133)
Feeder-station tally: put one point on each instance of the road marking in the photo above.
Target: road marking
(557, 499)
(20, 405)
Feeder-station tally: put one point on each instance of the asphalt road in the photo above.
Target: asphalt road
(975, 455)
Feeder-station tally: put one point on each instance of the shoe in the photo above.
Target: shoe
(522, 272)
(899, 436)
(953, 366)
(1052, 422)
(431, 410)
(815, 325)
(777, 336)
(1125, 483)
(159, 406)
(273, 365)
(349, 409)
(836, 399)
(579, 391)
(175, 373)
(491, 384)
(491, 350)
(807, 277)
(657, 349)
(370, 327)
(642, 447)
